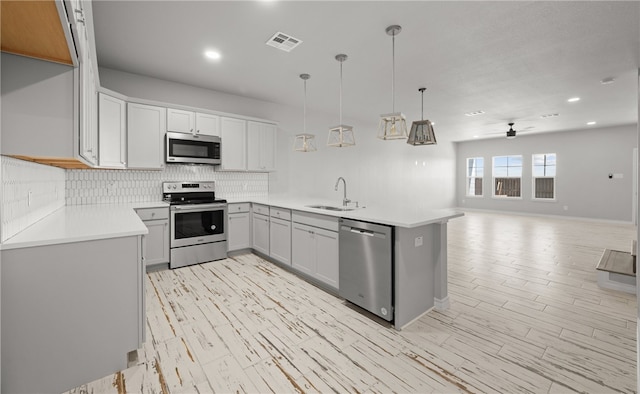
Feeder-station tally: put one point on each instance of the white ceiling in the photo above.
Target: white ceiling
(513, 60)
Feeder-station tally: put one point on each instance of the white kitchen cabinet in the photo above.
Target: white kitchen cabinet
(182, 121)
(280, 235)
(261, 146)
(314, 250)
(207, 124)
(112, 131)
(303, 245)
(88, 127)
(146, 128)
(233, 134)
(156, 242)
(260, 228)
(239, 234)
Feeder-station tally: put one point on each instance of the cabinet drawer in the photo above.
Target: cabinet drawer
(313, 219)
(153, 213)
(239, 207)
(261, 209)
(280, 213)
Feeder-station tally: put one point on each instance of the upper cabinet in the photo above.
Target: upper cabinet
(233, 134)
(146, 129)
(261, 146)
(112, 131)
(192, 122)
(247, 145)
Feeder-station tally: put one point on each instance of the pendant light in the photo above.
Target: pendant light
(304, 142)
(341, 135)
(393, 126)
(422, 131)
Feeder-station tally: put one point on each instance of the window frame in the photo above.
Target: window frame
(468, 177)
(493, 178)
(533, 179)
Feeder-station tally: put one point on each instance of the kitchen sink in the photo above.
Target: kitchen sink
(330, 208)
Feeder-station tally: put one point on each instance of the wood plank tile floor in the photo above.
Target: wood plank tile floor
(526, 315)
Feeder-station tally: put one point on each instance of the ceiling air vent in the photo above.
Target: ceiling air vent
(283, 41)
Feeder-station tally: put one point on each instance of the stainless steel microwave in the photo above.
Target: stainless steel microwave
(193, 149)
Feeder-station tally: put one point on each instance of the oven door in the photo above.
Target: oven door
(198, 224)
(187, 148)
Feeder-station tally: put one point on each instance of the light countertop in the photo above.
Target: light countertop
(77, 223)
(398, 215)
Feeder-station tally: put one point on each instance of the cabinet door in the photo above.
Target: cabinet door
(233, 136)
(280, 240)
(303, 248)
(157, 244)
(261, 233)
(327, 257)
(207, 124)
(112, 131)
(88, 108)
(180, 121)
(146, 128)
(260, 146)
(239, 231)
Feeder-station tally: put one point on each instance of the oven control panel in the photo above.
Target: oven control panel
(176, 187)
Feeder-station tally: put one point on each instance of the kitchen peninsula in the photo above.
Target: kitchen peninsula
(419, 250)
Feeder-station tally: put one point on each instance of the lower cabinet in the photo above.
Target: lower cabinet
(315, 249)
(71, 312)
(239, 235)
(260, 231)
(280, 235)
(156, 243)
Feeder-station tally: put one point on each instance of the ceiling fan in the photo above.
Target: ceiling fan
(511, 133)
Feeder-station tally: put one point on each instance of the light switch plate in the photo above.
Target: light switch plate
(419, 241)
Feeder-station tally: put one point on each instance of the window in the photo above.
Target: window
(507, 176)
(544, 176)
(475, 171)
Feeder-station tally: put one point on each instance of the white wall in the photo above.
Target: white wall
(585, 158)
(377, 172)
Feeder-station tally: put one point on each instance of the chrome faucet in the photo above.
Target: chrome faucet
(345, 200)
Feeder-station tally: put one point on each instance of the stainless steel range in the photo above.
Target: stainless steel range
(198, 223)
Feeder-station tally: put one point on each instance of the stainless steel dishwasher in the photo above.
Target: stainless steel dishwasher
(366, 266)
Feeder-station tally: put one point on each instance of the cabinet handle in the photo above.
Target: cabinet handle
(81, 21)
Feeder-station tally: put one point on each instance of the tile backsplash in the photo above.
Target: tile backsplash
(30, 191)
(123, 186)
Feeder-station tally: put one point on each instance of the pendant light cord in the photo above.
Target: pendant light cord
(341, 92)
(305, 107)
(393, 72)
(421, 113)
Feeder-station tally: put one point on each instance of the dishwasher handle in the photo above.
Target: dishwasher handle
(361, 231)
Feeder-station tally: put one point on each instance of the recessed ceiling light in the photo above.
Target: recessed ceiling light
(474, 113)
(213, 55)
(607, 81)
(573, 99)
(591, 123)
(476, 136)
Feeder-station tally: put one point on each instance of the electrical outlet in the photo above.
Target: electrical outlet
(419, 241)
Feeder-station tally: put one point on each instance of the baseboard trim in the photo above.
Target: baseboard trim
(441, 304)
(541, 215)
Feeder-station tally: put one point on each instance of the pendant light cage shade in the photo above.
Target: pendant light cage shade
(422, 131)
(304, 142)
(393, 126)
(341, 135)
